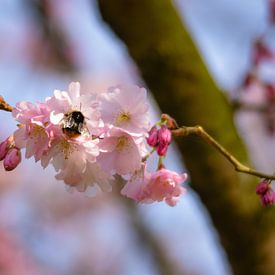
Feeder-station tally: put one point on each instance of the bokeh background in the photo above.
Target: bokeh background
(46, 230)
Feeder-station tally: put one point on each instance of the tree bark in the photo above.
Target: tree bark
(175, 73)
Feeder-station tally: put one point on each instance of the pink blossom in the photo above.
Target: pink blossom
(70, 156)
(63, 103)
(75, 162)
(88, 140)
(93, 180)
(162, 185)
(119, 152)
(35, 131)
(166, 185)
(12, 159)
(126, 107)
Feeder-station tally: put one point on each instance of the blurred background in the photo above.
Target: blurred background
(44, 229)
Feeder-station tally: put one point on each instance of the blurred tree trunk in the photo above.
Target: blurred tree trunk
(175, 73)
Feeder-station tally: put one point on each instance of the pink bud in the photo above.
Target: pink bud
(266, 193)
(12, 159)
(262, 187)
(268, 198)
(162, 149)
(261, 52)
(4, 148)
(272, 10)
(152, 140)
(270, 93)
(164, 135)
(164, 138)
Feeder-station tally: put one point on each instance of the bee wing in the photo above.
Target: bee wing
(82, 128)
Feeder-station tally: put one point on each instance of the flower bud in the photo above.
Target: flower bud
(162, 149)
(272, 10)
(12, 159)
(169, 121)
(4, 148)
(152, 140)
(262, 187)
(266, 193)
(268, 198)
(261, 52)
(164, 135)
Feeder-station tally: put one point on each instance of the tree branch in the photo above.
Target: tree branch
(199, 131)
(4, 105)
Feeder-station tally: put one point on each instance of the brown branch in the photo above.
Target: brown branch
(4, 105)
(199, 131)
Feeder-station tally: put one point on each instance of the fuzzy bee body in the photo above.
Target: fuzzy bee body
(73, 124)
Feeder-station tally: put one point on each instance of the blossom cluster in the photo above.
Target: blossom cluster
(90, 138)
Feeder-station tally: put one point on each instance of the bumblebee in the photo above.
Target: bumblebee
(73, 124)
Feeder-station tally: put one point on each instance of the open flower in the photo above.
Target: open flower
(93, 180)
(162, 185)
(63, 103)
(34, 132)
(119, 152)
(126, 107)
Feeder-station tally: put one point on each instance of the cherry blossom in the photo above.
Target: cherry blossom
(34, 132)
(119, 152)
(63, 103)
(162, 185)
(89, 139)
(126, 107)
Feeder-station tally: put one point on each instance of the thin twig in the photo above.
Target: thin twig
(199, 131)
(4, 105)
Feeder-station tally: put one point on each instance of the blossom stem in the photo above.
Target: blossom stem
(199, 131)
(4, 105)
(148, 155)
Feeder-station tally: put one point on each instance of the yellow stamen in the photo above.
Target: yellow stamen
(122, 118)
(122, 143)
